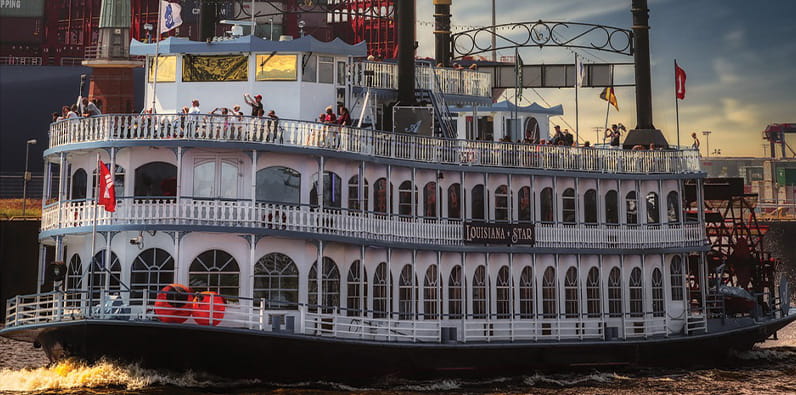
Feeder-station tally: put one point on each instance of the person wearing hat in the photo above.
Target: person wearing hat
(256, 104)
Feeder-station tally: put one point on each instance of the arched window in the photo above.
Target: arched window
(635, 295)
(380, 203)
(524, 204)
(503, 293)
(156, 179)
(479, 292)
(74, 281)
(593, 300)
(502, 203)
(330, 286)
(531, 129)
(79, 184)
(101, 270)
(546, 205)
(676, 273)
(382, 290)
(431, 293)
(571, 297)
(405, 199)
(615, 293)
(477, 199)
(430, 200)
(568, 206)
(631, 205)
(590, 207)
(353, 194)
(526, 293)
(118, 180)
(357, 286)
(278, 184)
(332, 190)
(276, 279)
(454, 201)
(151, 270)
(657, 293)
(217, 271)
(673, 207)
(407, 294)
(455, 293)
(549, 299)
(653, 213)
(611, 208)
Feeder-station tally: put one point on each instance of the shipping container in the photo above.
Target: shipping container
(21, 8)
(20, 31)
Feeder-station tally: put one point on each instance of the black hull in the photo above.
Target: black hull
(238, 353)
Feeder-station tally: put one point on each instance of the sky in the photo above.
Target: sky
(739, 55)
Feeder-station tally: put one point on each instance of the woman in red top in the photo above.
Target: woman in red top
(329, 117)
(343, 116)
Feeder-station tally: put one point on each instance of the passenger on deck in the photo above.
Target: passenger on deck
(87, 108)
(195, 107)
(343, 116)
(569, 140)
(72, 112)
(614, 134)
(328, 116)
(256, 104)
(558, 136)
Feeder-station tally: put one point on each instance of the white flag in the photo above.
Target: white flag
(169, 16)
(580, 72)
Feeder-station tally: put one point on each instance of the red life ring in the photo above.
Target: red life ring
(202, 305)
(173, 304)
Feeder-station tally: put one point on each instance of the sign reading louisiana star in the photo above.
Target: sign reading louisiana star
(491, 233)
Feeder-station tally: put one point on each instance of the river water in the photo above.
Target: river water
(769, 368)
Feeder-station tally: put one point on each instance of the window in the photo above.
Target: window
(276, 67)
(332, 190)
(477, 208)
(676, 272)
(593, 300)
(479, 292)
(546, 204)
(502, 203)
(549, 299)
(430, 200)
(526, 293)
(407, 294)
(309, 66)
(341, 73)
(431, 293)
(357, 286)
(208, 68)
(571, 297)
(74, 281)
(276, 279)
(635, 293)
(152, 270)
(590, 207)
(118, 180)
(217, 271)
(330, 286)
(382, 291)
(326, 69)
(156, 179)
(380, 203)
(454, 201)
(657, 293)
(405, 199)
(503, 293)
(653, 213)
(79, 184)
(216, 178)
(455, 293)
(673, 208)
(615, 293)
(568, 206)
(278, 184)
(524, 204)
(631, 205)
(353, 194)
(167, 69)
(611, 208)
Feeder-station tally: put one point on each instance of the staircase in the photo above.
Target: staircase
(443, 125)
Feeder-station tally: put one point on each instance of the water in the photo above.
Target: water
(769, 368)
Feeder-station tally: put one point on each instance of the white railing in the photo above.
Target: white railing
(367, 142)
(334, 322)
(245, 213)
(21, 60)
(381, 75)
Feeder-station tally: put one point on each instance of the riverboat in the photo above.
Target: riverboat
(356, 252)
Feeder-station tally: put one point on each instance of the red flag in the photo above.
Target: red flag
(106, 191)
(679, 81)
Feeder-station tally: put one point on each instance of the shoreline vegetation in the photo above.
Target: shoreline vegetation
(12, 208)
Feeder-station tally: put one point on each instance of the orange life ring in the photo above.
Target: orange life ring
(173, 304)
(202, 304)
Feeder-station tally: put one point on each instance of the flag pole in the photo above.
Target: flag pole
(577, 115)
(93, 241)
(607, 110)
(676, 104)
(157, 54)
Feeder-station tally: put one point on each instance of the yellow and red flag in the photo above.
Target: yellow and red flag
(609, 96)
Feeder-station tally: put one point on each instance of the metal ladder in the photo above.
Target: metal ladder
(435, 95)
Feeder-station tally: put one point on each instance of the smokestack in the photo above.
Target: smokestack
(442, 32)
(406, 52)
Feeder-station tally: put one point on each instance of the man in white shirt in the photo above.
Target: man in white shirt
(194, 107)
(87, 108)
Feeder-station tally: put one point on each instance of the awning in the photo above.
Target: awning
(506, 106)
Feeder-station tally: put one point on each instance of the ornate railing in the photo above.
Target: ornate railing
(465, 82)
(333, 221)
(292, 133)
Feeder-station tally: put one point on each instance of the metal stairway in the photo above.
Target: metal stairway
(443, 125)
